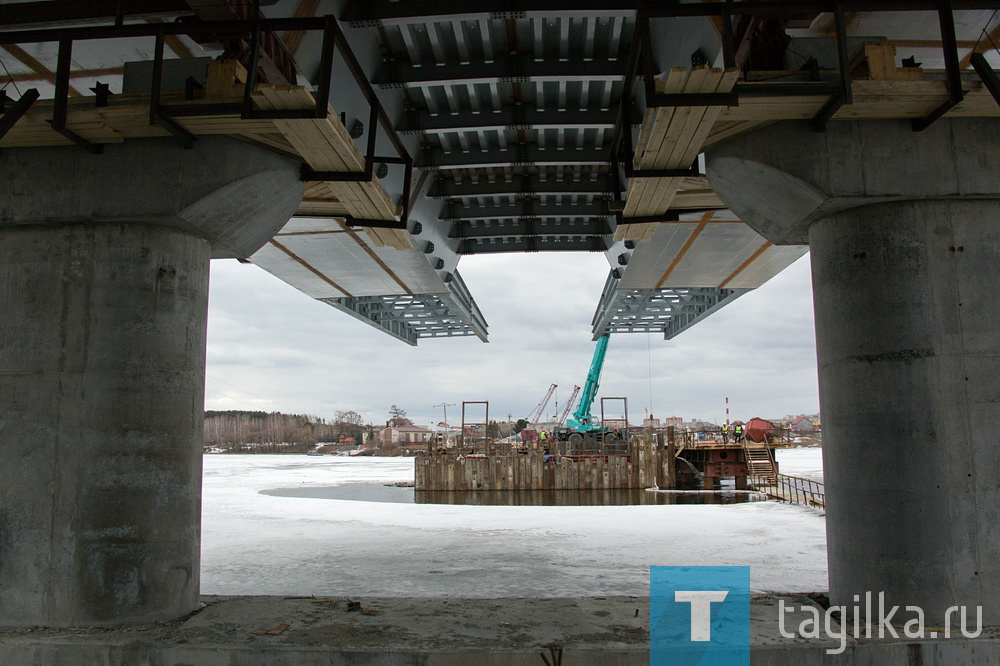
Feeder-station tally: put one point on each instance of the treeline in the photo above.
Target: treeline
(237, 431)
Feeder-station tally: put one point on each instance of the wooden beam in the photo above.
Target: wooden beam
(179, 48)
(43, 71)
(926, 43)
(293, 38)
(746, 263)
(378, 260)
(311, 269)
(687, 246)
(981, 46)
(78, 74)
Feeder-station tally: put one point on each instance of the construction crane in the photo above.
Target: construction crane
(569, 405)
(540, 409)
(582, 425)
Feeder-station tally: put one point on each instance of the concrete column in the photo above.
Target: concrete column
(103, 294)
(102, 346)
(907, 318)
(905, 245)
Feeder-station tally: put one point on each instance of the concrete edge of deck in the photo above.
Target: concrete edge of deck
(321, 630)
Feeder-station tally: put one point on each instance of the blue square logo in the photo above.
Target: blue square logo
(699, 615)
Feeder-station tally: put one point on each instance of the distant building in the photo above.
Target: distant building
(807, 424)
(401, 431)
(674, 421)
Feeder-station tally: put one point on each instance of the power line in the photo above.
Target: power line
(290, 411)
(232, 398)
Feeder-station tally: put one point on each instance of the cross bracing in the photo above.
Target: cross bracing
(669, 311)
(411, 317)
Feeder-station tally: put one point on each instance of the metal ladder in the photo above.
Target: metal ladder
(759, 462)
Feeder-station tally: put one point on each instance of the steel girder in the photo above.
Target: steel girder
(411, 317)
(525, 227)
(505, 69)
(60, 12)
(524, 208)
(668, 310)
(509, 117)
(533, 244)
(517, 155)
(520, 185)
(372, 13)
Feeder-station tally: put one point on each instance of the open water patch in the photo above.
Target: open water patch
(378, 492)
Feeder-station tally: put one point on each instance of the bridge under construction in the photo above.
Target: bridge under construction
(359, 149)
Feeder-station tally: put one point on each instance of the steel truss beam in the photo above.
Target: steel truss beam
(507, 69)
(518, 155)
(527, 227)
(668, 310)
(533, 244)
(414, 316)
(406, 318)
(62, 12)
(510, 117)
(447, 188)
(370, 13)
(524, 208)
(789, 8)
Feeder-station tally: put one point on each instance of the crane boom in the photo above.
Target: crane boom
(569, 406)
(540, 409)
(582, 419)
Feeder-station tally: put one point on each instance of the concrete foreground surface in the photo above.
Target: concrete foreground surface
(259, 630)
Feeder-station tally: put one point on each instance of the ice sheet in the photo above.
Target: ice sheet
(260, 544)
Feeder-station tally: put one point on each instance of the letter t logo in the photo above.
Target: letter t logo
(701, 610)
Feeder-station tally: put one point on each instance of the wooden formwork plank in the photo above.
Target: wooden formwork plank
(650, 143)
(680, 141)
(674, 131)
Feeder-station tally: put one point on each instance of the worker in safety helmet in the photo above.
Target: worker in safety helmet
(725, 433)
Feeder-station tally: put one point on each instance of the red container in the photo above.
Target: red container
(758, 429)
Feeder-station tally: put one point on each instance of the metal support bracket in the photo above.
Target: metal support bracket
(17, 110)
(952, 67)
(690, 172)
(307, 173)
(670, 216)
(829, 109)
(187, 139)
(60, 104)
(986, 73)
(381, 224)
(692, 99)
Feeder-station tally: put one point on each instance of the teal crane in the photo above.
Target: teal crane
(582, 425)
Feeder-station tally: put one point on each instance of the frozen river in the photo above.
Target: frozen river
(255, 543)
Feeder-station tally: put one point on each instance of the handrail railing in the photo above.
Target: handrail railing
(794, 489)
(164, 115)
(640, 66)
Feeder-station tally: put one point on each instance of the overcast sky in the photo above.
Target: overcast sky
(272, 348)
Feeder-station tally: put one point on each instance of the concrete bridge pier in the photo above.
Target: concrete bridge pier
(104, 263)
(904, 234)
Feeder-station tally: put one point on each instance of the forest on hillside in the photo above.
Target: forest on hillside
(237, 431)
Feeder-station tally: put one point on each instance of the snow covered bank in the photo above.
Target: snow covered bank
(261, 544)
(806, 462)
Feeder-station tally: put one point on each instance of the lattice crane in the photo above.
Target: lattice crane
(540, 409)
(568, 406)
